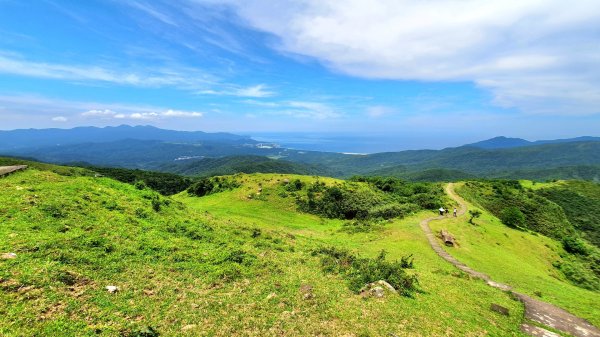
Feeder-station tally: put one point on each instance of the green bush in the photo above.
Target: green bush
(574, 245)
(362, 271)
(208, 186)
(512, 217)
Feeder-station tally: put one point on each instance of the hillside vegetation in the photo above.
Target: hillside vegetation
(524, 208)
(223, 264)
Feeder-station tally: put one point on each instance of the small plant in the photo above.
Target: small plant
(156, 203)
(147, 331)
(54, 211)
(474, 213)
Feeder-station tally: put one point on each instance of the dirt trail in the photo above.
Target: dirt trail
(538, 312)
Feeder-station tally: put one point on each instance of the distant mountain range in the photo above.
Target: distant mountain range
(41, 138)
(506, 143)
(199, 153)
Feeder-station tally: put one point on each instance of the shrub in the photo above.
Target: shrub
(574, 245)
(512, 217)
(362, 271)
(295, 185)
(474, 213)
(208, 186)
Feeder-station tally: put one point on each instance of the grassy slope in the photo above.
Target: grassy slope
(444, 308)
(75, 235)
(521, 259)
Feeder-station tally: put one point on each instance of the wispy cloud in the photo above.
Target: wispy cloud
(153, 12)
(257, 91)
(185, 78)
(89, 111)
(298, 109)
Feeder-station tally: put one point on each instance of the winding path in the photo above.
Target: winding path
(541, 313)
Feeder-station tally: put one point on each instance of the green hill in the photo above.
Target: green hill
(240, 164)
(257, 254)
(218, 265)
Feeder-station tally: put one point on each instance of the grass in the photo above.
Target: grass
(519, 258)
(220, 265)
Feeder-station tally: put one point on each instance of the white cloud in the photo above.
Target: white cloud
(145, 115)
(257, 91)
(254, 91)
(178, 113)
(59, 119)
(541, 56)
(99, 113)
(27, 104)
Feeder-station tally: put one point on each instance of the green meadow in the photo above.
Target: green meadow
(239, 262)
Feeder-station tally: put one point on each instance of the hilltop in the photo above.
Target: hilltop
(259, 253)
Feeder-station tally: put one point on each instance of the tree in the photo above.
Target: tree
(475, 213)
(512, 217)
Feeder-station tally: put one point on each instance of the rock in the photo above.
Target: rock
(271, 295)
(386, 285)
(112, 289)
(8, 256)
(286, 181)
(377, 289)
(307, 291)
(499, 309)
(377, 292)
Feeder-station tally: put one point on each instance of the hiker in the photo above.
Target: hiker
(455, 212)
(441, 210)
(447, 210)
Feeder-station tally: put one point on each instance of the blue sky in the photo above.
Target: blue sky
(453, 71)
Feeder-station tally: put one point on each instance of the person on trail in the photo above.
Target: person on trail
(447, 210)
(441, 210)
(455, 212)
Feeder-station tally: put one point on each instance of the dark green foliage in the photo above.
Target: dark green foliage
(407, 262)
(474, 213)
(294, 186)
(361, 226)
(340, 202)
(512, 217)
(206, 186)
(228, 165)
(541, 215)
(580, 201)
(389, 211)
(147, 331)
(164, 183)
(574, 245)
(381, 198)
(581, 272)
(156, 203)
(54, 211)
(361, 271)
(505, 199)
